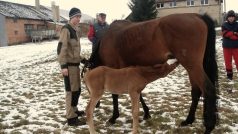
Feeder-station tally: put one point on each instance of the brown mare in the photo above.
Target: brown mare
(130, 80)
(190, 38)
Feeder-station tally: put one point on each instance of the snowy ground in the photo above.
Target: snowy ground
(32, 97)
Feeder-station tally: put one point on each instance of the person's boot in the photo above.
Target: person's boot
(229, 75)
(75, 122)
(230, 81)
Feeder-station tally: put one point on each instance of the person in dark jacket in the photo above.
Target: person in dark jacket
(96, 32)
(69, 59)
(230, 42)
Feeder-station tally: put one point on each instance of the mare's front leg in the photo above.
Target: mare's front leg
(115, 115)
(145, 108)
(196, 93)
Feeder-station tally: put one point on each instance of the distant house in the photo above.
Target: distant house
(17, 22)
(211, 7)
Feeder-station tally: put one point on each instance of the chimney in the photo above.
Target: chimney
(55, 12)
(37, 4)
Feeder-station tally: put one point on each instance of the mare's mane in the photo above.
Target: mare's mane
(118, 24)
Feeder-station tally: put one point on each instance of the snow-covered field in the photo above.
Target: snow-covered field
(32, 97)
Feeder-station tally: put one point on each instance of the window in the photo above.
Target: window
(204, 2)
(28, 28)
(173, 4)
(160, 5)
(41, 27)
(190, 2)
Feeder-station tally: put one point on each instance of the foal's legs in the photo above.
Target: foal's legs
(89, 111)
(135, 110)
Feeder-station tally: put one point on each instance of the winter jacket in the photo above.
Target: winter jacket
(230, 38)
(96, 32)
(69, 46)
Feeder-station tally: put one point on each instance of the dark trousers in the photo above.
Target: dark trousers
(73, 91)
(94, 58)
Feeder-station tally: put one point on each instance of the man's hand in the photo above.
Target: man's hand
(65, 72)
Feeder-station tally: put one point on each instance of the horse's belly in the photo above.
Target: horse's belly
(117, 89)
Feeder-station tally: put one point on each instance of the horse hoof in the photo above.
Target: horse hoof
(207, 131)
(185, 123)
(188, 121)
(146, 117)
(111, 121)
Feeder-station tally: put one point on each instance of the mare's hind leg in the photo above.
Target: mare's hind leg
(196, 93)
(145, 108)
(115, 114)
(210, 114)
(199, 80)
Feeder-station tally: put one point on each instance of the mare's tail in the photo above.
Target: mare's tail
(209, 61)
(211, 69)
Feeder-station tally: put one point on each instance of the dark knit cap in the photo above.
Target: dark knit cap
(73, 12)
(231, 13)
(102, 14)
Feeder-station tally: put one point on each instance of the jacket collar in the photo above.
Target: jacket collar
(73, 26)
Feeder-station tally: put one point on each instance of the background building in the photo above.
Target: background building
(21, 23)
(211, 7)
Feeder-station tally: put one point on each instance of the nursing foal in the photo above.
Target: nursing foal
(131, 80)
